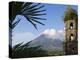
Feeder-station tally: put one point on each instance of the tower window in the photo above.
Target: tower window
(71, 25)
(72, 37)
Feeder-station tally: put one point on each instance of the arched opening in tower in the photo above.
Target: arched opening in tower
(72, 37)
(71, 25)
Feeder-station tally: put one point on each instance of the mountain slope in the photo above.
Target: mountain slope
(48, 44)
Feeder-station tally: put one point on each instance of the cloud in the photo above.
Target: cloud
(54, 34)
(50, 32)
(22, 37)
(28, 36)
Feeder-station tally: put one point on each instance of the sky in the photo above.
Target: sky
(25, 31)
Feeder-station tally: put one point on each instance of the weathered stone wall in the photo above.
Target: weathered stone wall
(71, 46)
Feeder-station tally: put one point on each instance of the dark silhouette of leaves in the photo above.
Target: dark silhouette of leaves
(23, 50)
(28, 10)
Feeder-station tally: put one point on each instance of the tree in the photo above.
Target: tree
(29, 10)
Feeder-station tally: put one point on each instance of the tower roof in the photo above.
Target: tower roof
(70, 14)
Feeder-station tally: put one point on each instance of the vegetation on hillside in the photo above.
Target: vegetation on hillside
(23, 50)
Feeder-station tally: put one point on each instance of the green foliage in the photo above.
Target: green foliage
(29, 10)
(23, 50)
(32, 12)
(70, 14)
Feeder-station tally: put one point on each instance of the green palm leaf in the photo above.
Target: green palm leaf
(37, 21)
(30, 7)
(35, 9)
(31, 22)
(32, 14)
(15, 23)
(25, 6)
(38, 18)
(17, 46)
(29, 10)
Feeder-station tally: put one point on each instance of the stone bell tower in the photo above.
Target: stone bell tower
(71, 28)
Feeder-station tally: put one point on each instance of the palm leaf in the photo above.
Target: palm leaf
(31, 7)
(10, 24)
(25, 6)
(26, 44)
(35, 9)
(28, 10)
(38, 18)
(37, 21)
(17, 46)
(31, 22)
(15, 23)
(33, 14)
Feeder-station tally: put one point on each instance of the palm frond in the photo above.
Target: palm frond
(15, 23)
(29, 10)
(25, 6)
(30, 7)
(35, 9)
(25, 51)
(33, 14)
(17, 46)
(31, 22)
(10, 24)
(37, 21)
(26, 44)
(38, 18)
